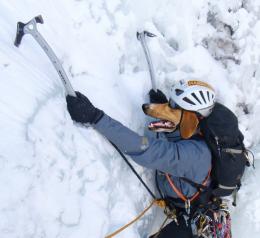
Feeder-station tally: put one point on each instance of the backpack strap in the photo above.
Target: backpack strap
(232, 151)
(227, 187)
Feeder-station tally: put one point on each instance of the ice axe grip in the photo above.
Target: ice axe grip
(21, 29)
(141, 36)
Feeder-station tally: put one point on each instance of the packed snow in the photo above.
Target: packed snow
(60, 179)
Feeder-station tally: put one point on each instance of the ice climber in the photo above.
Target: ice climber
(176, 150)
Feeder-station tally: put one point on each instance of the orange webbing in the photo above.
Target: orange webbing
(175, 189)
(180, 194)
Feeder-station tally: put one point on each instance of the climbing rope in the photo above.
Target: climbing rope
(133, 170)
(158, 202)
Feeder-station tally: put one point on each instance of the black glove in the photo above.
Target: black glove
(82, 110)
(157, 97)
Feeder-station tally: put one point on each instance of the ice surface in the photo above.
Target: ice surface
(59, 179)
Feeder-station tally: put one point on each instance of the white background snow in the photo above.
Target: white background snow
(58, 179)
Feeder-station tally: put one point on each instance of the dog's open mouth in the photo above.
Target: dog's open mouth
(162, 126)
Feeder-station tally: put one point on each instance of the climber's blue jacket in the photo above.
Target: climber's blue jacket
(168, 153)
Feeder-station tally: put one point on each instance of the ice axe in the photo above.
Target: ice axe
(31, 28)
(141, 36)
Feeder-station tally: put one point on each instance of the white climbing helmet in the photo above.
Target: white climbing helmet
(194, 96)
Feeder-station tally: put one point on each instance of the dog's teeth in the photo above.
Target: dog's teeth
(161, 125)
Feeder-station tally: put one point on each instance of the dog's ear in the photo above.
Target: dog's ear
(188, 124)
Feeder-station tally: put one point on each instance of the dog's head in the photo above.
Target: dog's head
(171, 119)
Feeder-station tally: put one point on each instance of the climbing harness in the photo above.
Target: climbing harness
(186, 200)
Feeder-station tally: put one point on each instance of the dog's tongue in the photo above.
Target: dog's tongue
(162, 126)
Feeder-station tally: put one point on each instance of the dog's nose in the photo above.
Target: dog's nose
(145, 107)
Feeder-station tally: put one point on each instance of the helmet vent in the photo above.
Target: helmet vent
(202, 95)
(188, 101)
(194, 95)
(208, 96)
(178, 92)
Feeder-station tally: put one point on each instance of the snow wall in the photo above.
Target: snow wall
(58, 179)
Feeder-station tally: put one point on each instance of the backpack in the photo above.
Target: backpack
(229, 156)
(229, 159)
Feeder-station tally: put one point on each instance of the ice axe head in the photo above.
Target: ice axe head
(24, 28)
(139, 35)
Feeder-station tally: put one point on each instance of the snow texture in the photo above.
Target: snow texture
(59, 179)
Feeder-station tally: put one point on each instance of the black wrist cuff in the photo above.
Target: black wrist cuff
(99, 115)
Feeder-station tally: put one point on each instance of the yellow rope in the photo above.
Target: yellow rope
(159, 203)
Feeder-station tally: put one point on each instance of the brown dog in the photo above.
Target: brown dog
(171, 118)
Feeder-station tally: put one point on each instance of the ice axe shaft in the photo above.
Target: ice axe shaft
(31, 28)
(141, 36)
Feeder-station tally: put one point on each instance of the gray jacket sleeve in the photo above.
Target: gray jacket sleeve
(169, 157)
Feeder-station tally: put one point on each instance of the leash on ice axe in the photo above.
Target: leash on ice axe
(31, 28)
(141, 36)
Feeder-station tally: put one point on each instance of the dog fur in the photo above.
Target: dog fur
(187, 121)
